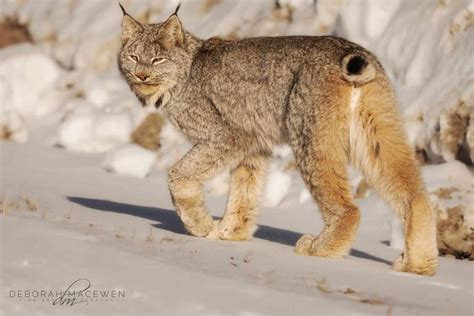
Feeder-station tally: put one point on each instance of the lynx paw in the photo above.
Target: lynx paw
(199, 229)
(309, 245)
(214, 233)
(220, 231)
(303, 245)
(426, 266)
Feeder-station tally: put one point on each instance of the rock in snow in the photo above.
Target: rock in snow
(131, 160)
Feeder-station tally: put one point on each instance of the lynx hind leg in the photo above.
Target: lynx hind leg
(328, 184)
(319, 140)
(186, 178)
(247, 183)
(379, 149)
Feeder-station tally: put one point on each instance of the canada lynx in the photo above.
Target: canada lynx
(326, 97)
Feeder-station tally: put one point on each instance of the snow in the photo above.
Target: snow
(107, 220)
(27, 75)
(305, 196)
(27, 79)
(429, 61)
(76, 97)
(173, 146)
(90, 130)
(277, 187)
(397, 239)
(131, 160)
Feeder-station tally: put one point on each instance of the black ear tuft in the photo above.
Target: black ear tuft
(177, 9)
(123, 10)
(356, 65)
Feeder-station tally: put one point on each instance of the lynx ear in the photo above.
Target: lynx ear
(171, 33)
(130, 26)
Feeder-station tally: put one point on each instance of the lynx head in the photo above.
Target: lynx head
(154, 58)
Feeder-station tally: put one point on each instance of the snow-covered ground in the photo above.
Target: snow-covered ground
(66, 218)
(79, 200)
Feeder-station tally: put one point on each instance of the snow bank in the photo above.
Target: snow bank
(450, 186)
(88, 129)
(426, 47)
(27, 79)
(277, 186)
(86, 34)
(27, 76)
(131, 160)
(173, 146)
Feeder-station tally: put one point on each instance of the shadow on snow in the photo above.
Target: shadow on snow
(168, 220)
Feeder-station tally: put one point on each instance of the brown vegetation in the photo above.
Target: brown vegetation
(13, 32)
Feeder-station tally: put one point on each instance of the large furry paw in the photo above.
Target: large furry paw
(317, 246)
(303, 245)
(214, 233)
(425, 266)
(221, 231)
(199, 229)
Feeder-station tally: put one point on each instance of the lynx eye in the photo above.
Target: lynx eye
(133, 57)
(157, 61)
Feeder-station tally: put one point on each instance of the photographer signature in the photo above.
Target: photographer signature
(72, 296)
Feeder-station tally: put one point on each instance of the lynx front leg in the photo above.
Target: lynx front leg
(239, 221)
(186, 179)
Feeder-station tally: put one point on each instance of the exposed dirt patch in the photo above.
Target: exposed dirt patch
(5, 132)
(455, 238)
(13, 32)
(445, 193)
(283, 12)
(147, 134)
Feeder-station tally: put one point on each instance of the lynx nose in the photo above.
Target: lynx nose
(142, 76)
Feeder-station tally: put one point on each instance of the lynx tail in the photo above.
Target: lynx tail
(358, 69)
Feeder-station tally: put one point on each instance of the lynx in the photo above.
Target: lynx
(327, 98)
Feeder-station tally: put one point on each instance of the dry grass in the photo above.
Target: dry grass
(167, 239)
(445, 193)
(372, 301)
(365, 300)
(119, 235)
(150, 237)
(31, 205)
(4, 206)
(348, 291)
(322, 286)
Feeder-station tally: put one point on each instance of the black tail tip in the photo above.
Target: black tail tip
(356, 65)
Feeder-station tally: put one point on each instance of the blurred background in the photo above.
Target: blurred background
(60, 86)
